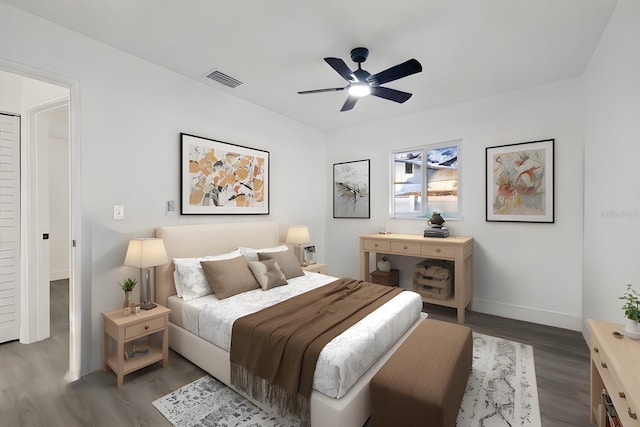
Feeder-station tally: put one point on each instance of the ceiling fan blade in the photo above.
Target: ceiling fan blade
(333, 89)
(390, 94)
(342, 68)
(349, 103)
(396, 72)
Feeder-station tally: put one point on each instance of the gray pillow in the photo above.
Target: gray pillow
(267, 273)
(229, 277)
(287, 261)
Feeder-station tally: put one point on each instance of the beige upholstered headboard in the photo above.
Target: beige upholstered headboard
(186, 241)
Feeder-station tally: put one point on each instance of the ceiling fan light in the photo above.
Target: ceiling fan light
(360, 90)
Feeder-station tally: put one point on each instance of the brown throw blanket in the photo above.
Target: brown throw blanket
(274, 351)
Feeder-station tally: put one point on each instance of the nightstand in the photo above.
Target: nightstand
(317, 268)
(125, 330)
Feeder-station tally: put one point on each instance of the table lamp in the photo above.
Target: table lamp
(297, 235)
(144, 253)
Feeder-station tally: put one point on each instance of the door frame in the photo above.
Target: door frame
(76, 326)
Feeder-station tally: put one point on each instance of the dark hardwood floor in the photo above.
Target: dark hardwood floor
(34, 393)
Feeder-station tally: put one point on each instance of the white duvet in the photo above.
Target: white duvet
(343, 360)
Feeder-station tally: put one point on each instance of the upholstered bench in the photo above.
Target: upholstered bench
(423, 382)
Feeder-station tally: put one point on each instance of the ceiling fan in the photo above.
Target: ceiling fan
(363, 83)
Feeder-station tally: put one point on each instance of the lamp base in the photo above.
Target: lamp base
(148, 305)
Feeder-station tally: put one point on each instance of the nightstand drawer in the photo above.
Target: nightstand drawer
(317, 268)
(143, 328)
(377, 246)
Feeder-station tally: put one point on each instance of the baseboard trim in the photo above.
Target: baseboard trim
(528, 314)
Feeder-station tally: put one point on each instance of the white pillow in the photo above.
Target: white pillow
(192, 280)
(252, 254)
(177, 282)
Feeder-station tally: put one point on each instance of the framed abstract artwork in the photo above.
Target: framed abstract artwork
(519, 180)
(351, 189)
(222, 178)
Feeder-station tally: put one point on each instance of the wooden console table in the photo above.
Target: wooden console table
(456, 249)
(615, 366)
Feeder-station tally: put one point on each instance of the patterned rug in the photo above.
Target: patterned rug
(501, 391)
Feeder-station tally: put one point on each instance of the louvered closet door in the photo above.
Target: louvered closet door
(9, 227)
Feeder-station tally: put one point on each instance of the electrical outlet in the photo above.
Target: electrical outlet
(118, 212)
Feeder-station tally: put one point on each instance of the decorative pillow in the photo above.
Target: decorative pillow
(287, 261)
(252, 254)
(192, 283)
(267, 273)
(229, 277)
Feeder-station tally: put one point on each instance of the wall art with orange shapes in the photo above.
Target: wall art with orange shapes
(223, 178)
(520, 183)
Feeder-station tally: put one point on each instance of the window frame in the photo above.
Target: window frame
(425, 211)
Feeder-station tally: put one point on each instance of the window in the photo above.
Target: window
(425, 180)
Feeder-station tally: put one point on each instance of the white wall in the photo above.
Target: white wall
(612, 152)
(524, 271)
(10, 93)
(130, 115)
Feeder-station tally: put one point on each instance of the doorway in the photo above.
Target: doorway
(47, 222)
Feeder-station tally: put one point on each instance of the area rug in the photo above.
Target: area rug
(501, 391)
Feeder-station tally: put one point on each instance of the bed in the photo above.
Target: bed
(346, 408)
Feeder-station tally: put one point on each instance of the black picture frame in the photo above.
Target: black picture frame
(219, 178)
(520, 182)
(351, 196)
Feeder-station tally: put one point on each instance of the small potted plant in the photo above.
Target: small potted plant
(631, 309)
(127, 286)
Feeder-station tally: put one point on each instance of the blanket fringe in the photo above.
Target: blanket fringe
(263, 391)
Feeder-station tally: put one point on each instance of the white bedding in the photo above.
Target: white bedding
(343, 360)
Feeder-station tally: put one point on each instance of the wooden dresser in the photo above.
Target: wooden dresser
(456, 249)
(615, 366)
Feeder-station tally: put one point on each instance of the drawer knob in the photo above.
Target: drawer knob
(604, 365)
(146, 326)
(405, 247)
(632, 415)
(438, 250)
(622, 395)
(595, 349)
(375, 245)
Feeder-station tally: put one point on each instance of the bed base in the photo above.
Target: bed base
(351, 410)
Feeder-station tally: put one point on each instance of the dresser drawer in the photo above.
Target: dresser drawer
(601, 361)
(377, 245)
(405, 248)
(438, 251)
(143, 328)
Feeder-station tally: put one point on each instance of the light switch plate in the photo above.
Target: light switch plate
(171, 207)
(118, 212)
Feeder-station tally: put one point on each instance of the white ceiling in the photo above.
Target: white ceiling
(468, 48)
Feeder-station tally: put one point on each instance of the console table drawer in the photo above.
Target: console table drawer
(377, 246)
(406, 248)
(143, 328)
(438, 251)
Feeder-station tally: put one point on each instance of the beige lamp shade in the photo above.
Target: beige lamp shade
(298, 234)
(145, 252)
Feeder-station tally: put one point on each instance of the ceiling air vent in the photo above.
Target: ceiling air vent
(224, 79)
